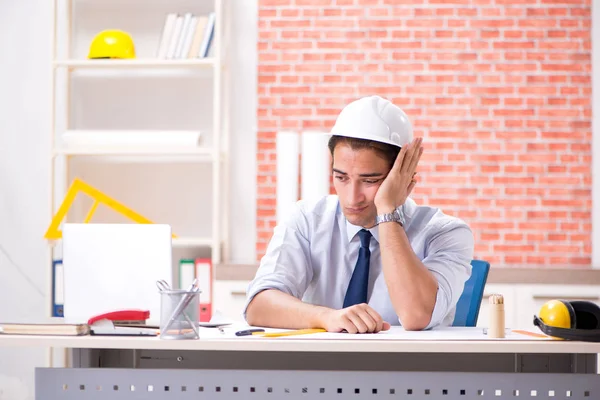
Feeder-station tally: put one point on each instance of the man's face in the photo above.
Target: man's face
(357, 175)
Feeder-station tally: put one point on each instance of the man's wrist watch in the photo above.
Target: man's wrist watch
(395, 216)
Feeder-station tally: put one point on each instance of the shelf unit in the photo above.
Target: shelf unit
(126, 150)
(137, 63)
(67, 61)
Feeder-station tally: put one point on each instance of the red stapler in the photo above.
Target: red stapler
(123, 317)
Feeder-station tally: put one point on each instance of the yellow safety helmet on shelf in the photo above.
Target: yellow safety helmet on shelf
(571, 320)
(112, 43)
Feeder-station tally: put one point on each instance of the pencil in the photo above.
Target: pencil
(289, 333)
(531, 333)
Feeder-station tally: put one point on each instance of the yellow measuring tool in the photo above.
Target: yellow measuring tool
(289, 333)
(79, 186)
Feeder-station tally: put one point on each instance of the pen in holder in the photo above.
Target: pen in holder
(496, 328)
(179, 312)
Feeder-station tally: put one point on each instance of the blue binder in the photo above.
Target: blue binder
(57, 289)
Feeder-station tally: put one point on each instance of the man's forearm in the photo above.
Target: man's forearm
(276, 309)
(412, 288)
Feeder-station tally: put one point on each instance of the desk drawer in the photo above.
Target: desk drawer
(163, 384)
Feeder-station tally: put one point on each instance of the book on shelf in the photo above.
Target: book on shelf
(201, 269)
(186, 36)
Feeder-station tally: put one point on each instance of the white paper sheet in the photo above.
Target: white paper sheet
(453, 333)
(395, 333)
(106, 327)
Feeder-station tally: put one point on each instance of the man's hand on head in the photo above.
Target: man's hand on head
(400, 181)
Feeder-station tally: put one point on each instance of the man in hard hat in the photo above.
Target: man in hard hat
(369, 256)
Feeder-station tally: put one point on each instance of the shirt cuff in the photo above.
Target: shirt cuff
(440, 309)
(265, 283)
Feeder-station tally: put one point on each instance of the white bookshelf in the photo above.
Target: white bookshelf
(69, 61)
(136, 63)
(178, 242)
(192, 241)
(203, 153)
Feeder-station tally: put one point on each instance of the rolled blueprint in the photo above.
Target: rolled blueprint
(288, 150)
(316, 165)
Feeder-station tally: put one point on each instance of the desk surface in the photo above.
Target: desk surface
(414, 342)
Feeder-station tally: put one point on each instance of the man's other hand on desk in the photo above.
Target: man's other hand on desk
(275, 309)
(360, 318)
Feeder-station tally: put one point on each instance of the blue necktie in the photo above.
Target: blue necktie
(359, 283)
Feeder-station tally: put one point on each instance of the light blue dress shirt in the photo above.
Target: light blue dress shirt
(312, 255)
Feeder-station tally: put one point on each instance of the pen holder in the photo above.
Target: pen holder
(179, 314)
(496, 328)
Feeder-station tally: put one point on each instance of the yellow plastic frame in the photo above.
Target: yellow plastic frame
(79, 186)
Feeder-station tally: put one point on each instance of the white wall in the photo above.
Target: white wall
(24, 118)
(25, 115)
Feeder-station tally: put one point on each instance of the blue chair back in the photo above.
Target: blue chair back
(467, 308)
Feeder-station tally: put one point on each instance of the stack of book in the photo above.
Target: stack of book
(186, 36)
(44, 329)
(101, 328)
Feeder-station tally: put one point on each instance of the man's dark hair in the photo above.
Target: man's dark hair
(387, 151)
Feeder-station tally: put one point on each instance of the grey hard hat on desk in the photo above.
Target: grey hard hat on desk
(374, 118)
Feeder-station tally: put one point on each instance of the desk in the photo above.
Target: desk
(226, 367)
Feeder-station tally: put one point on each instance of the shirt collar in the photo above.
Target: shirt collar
(352, 230)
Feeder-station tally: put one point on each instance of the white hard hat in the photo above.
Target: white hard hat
(374, 118)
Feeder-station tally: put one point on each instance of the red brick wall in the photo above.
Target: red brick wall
(500, 90)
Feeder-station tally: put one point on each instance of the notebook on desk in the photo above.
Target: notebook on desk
(44, 329)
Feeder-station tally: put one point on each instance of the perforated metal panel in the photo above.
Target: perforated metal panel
(129, 384)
